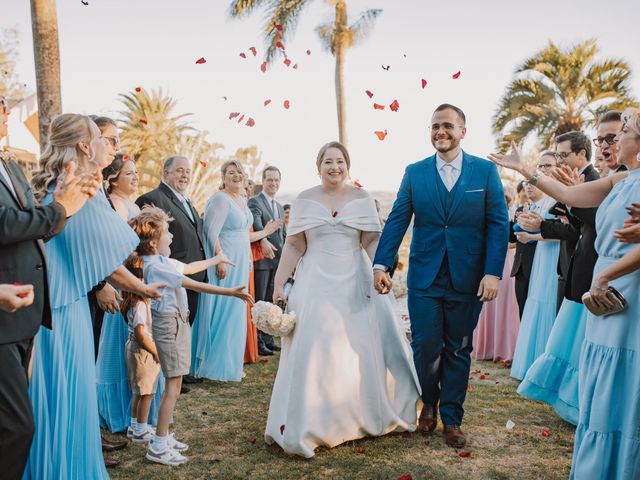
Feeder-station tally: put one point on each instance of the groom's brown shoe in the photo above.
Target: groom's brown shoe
(454, 436)
(428, 420)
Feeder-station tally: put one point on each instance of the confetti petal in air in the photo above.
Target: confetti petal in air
(83, 2)
(242, 55)
(138, 89)
(251, 122)
(381, 135)
(125, 157)
(308, 52)
(279, 35)
(201, 60)
(203, 164)
(405, 434)
(287, 62)
(287, 104)
(424, 83)
(282, 429)
(377, 106)
(263, 67)
(387, 67)
(233, 115)
(394, 106)
(357, 184)
(295, 67)
(369, 93)
(254, 51)
(267, 102)
(280, 45)
(143, 121)
(241, 118)
(277, 27)
(456, 75)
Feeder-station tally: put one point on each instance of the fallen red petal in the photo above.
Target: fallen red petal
(464, 454)
(359, 450)
(377, 106)
(394, 106)
(405, 434)
(369, 92)
(243, 55)
(267, 102)
(251, 122)
(545, 432)
(263, 361)
(424, 83)
(282, 429)
(456, 75)
(138, 89)
(254, 51)
(286, 104)
(468, 387)
(381, 135)
(263, 67)
(201, 60)
(482, 377)
(405, 477)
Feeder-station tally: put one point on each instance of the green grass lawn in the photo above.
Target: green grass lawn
(223, 423)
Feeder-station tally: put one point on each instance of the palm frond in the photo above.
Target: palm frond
(362, 27)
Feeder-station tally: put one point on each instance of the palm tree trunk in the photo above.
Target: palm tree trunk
(341, 26)
(46, 53)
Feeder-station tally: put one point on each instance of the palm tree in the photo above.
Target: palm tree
(251, 159)
(337, 36)
(557, 91)
(205, 173)
(44, 24)
(150, 133)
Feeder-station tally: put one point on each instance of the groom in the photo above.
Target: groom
(460, 235)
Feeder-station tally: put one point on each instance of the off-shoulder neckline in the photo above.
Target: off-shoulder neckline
(324, 207)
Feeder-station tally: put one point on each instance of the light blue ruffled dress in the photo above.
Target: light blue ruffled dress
(66, 444)
(114, 395)
(553, 377)
(607, 440)
(540, 310)
(220, 328)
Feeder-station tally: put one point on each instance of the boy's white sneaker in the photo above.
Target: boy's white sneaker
(130, 431)
(144, 437)
(169, 456)
(177, 445)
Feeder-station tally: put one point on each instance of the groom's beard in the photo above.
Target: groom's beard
(452, 146)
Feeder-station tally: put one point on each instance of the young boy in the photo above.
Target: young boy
(170, 319)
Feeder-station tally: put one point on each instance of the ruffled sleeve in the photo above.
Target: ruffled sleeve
(215, 214)
(94, 242)
(361, 214)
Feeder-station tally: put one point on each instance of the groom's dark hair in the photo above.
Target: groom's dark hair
(448, 106)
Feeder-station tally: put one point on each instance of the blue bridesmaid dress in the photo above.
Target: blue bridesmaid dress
(540, 309)
(553, 377)
(607, 440)
(67, 443)
(220, 328)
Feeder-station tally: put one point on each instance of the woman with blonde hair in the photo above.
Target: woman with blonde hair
(92, 247)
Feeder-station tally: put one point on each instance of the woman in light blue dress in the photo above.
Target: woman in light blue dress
(114, 394)
(220, 328)
(94, 243)
(540, 309)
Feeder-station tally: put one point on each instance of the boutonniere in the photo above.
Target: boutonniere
(7, 156)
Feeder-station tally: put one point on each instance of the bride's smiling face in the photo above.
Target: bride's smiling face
(333, 168)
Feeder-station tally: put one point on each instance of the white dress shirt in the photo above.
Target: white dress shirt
(455, 166)
(183, 200)
(272, 203)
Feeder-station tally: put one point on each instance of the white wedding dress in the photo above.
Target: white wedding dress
(346, 371)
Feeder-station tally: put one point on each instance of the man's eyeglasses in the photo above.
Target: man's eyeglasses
(114, 141)
(609, 139)
(448, 127)
(562, 155)
(545, 166)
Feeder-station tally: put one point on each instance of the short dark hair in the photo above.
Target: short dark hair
(610, 116)
(448, 106)
(102, 122)
(286, 206)
(270, 168)
(579, 141)
(520, 186)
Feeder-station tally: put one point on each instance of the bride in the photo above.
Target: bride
(346, 371)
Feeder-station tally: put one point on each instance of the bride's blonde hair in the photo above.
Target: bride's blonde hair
(65, 132)
(339, 146)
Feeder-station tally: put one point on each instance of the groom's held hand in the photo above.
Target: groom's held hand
(488, 288)
(382, 281)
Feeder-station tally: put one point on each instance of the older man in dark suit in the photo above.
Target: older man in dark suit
(23, 228)
(265, 208)
(188, 244)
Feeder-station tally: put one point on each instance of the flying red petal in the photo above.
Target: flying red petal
(125, 157)
(280, 45)
(201, 60)
(381, 135)
(233, 115)
(263, 67)
(377, 106)
(295, 67)
(251, 122)
(424, 83)
(308, 52)
(280, 37)
(359, 450)
(386, 67)
(267, 102)
(456, 75)
(242, 55)
(138, 89)
(254, 51)
(204, 165)
(143, 121)
(357, 184)
(287, 62)
(394, 106)
(241, 118)
(278, 27)
(369, 92)
(287, 104)
(282, 429)
(464, 454)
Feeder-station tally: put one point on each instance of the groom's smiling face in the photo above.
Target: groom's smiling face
(447, 129)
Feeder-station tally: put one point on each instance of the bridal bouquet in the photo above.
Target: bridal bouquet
(272, 320)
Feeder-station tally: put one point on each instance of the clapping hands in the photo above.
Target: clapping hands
(512, 161)
(630, 231)
(567, 176)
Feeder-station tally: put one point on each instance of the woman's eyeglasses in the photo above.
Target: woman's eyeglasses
(114, 141)
(608, 139)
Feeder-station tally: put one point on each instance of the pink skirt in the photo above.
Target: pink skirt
(495, 336)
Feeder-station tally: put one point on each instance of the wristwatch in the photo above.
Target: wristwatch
(534, 179)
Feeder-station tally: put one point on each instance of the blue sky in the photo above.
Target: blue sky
(113, 46)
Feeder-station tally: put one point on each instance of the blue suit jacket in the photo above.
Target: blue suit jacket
(474, 234)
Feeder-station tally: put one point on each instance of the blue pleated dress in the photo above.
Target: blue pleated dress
(553, 377)
(66, 444)
(607, 441)
(540, 309)
(220, 328)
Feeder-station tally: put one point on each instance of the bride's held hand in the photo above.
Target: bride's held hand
(382, 281)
